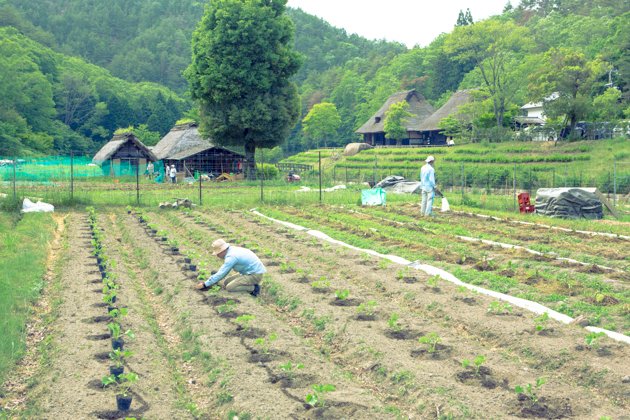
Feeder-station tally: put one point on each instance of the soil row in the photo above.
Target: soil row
(393, 362)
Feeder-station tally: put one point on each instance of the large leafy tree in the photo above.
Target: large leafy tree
(494, 45)
(242, 62)
(396, 118)
(321, 122)
(572, 77)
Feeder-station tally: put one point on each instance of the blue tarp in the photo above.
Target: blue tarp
(373, 197)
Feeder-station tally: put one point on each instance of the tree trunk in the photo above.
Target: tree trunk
(250, 160)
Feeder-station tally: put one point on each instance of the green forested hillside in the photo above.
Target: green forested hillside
(55, 102)
(533, 49)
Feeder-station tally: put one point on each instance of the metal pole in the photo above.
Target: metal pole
(374, 171)
(463, 183)
(262, 163)
(14, 176)
(346, 174)
(320, 177)
(514, 186)
(138, 181)
(615, 183)
(200, 199)
(553, 179)
(71, 175)
(488, 182)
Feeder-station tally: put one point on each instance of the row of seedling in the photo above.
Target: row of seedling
(117, 379)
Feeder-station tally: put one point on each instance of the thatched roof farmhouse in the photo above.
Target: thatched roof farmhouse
(185, 148)
(430, 130)
(122, 154)
(373, 130)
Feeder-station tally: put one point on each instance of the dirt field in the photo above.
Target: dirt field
(392, 342)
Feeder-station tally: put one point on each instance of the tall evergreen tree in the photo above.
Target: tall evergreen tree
(241, 65)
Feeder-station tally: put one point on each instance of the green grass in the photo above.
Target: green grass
(23, 252)
(489, 165)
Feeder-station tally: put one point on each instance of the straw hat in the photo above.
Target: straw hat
(219, 246)
(430, 159)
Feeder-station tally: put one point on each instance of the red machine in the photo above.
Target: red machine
(524, 204)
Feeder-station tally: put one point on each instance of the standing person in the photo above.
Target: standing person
(248, 266)
(173, 173)
(427, 184)
(150, 170)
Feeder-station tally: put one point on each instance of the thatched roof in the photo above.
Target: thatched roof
(354, 148)
(118, 141)
(458, 99)
(180, 139)
(418, 106)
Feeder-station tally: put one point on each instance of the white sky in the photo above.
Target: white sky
(408, 21)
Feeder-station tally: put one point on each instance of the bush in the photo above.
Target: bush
(267, 170)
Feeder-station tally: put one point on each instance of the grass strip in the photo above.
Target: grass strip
(23, 253)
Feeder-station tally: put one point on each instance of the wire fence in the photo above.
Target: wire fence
(62, 180)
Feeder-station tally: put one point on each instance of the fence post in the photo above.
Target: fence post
(320, 176)
(514, 186)
(463, 183)
(346, 175)
(71, 175)
(375, 166)
(553, 179)
(138, 181)
(14, 176)
(488, 182)
(334, 173)
(566, 175)
(615, 183)
(262, 163)
(200, 199)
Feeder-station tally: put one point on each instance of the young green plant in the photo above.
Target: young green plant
(316, 398)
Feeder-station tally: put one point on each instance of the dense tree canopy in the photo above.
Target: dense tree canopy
(149, 40)
(53, 102)
(243, 58)
(321, 123)
(396, 118)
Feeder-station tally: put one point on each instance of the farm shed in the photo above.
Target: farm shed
(373, 130)
(184, 147)
(122, 154)
(430, 132)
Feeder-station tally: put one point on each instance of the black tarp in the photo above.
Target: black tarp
(399, 184)
(568, 203)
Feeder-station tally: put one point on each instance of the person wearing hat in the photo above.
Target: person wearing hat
(427, 184)
(248, 266)
(173, 173)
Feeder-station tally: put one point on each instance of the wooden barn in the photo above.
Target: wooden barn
(184, 147)
(430, 132)
(373, 130)
(122, 155)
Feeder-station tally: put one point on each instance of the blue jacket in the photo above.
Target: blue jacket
(427, 178)
(242, 260)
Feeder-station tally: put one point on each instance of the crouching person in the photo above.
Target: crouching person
(248, 266)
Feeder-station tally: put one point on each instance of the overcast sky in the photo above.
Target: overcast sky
(408, 21)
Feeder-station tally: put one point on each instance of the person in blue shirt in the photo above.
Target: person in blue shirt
(427, 184)
(248, 266)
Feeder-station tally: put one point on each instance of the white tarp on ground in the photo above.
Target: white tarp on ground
(398, 184)
(29, 207)
(534, 307)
